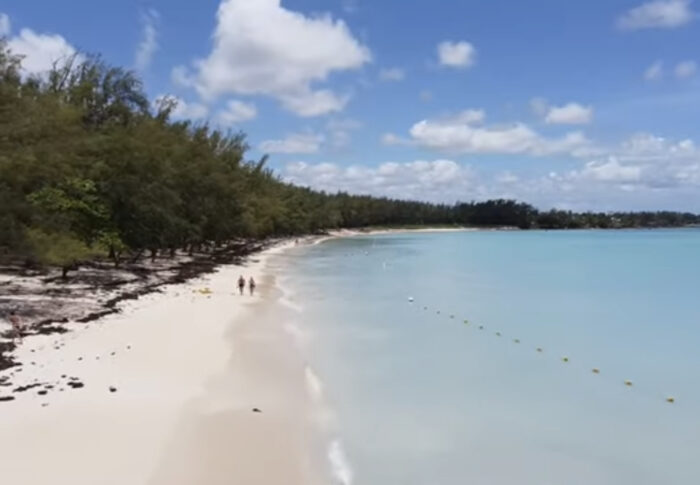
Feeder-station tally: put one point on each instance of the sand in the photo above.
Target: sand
(169, 389)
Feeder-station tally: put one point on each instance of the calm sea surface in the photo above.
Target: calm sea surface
(420, 397)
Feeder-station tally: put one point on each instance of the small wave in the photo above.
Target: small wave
(301, 338)
(313, 384)
(340, 467)
(290, 304)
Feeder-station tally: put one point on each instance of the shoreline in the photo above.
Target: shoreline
(111, 401)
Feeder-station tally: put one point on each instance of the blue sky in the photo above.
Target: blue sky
(582, 105)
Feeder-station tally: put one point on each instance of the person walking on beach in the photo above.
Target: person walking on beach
(251, 286)
(241, 285)
(16, 327)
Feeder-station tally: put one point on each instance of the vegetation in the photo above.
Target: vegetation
(89, 167)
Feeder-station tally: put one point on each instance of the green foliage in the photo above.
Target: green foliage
(88, 168)
(58, 248)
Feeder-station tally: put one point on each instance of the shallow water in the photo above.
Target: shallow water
(419, 397)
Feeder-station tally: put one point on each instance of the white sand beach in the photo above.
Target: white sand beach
(165, 392)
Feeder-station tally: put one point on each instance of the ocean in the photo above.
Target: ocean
(503, 357)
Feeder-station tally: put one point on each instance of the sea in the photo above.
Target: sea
(502, 357)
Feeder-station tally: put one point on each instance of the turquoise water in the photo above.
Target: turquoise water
(419, 397)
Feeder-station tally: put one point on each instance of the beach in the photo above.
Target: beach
(191, 385)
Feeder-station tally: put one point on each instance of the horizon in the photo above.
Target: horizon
(585, 107)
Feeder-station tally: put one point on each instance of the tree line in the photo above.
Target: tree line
(89, 168)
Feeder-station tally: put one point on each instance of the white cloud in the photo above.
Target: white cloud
(392, 74)
(438, 180)
(539, 107)
(391, 139)
(655, 71)
(315, 103)
(181, 77)
(685, 69)
(569, 114)
(262, 48)
(40, 51)
(149, 42)
(184, 110)
(643, 172)
(340, 130)
(237, 112)
(351, 6)
(426, 95)
(460, 55)
(465, 134)
(297, 143)
(5, 25)
(611, 170)
(666, 14)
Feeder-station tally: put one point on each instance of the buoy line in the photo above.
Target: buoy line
(565, 359)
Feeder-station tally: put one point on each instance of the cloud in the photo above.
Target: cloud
(426, 95)
(40, 51)
(184, 110)
(315, 103)
(297, 143)
(262, 48)
(351, 6)
(438, 180)
(460, 55)
(392, 74)
(465, 134)
(569, 114)
(655, 71)
(539, 107)
(658, 14)
(685, 69)
(5, 25)
(642, 172)
(237, 112)
(643, 161)
(340, 131)
(149, 42)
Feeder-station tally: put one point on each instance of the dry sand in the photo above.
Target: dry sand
(187, 368)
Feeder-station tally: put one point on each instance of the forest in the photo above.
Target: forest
(91, 168)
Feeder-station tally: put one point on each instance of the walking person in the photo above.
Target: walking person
(241, 285)
(251, 286)
(16, 327)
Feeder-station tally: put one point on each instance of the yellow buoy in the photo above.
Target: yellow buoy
(671, 400)
(628, 383)
(596, 371)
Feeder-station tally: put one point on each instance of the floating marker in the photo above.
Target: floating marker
(517, 340)
(481, 327)
(670, 400)
(466, 322)
(410, 299)
(596, 371)
(452, 316)
(539, 349)
(628, 383)
(498, 334)
(565, 359)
